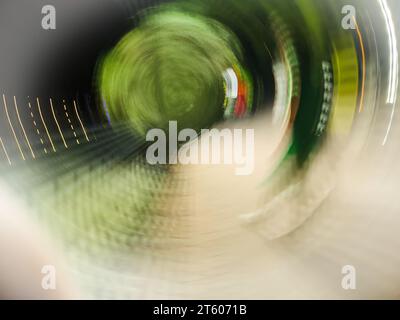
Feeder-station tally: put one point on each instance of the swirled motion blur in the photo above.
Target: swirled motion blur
(317, 81)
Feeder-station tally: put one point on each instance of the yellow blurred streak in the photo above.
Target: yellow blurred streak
(346, 78)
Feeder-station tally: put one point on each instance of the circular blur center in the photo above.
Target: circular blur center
(169, 68)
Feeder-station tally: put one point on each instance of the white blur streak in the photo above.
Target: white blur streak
(281, 110)
(394, 66)
(232, 83)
